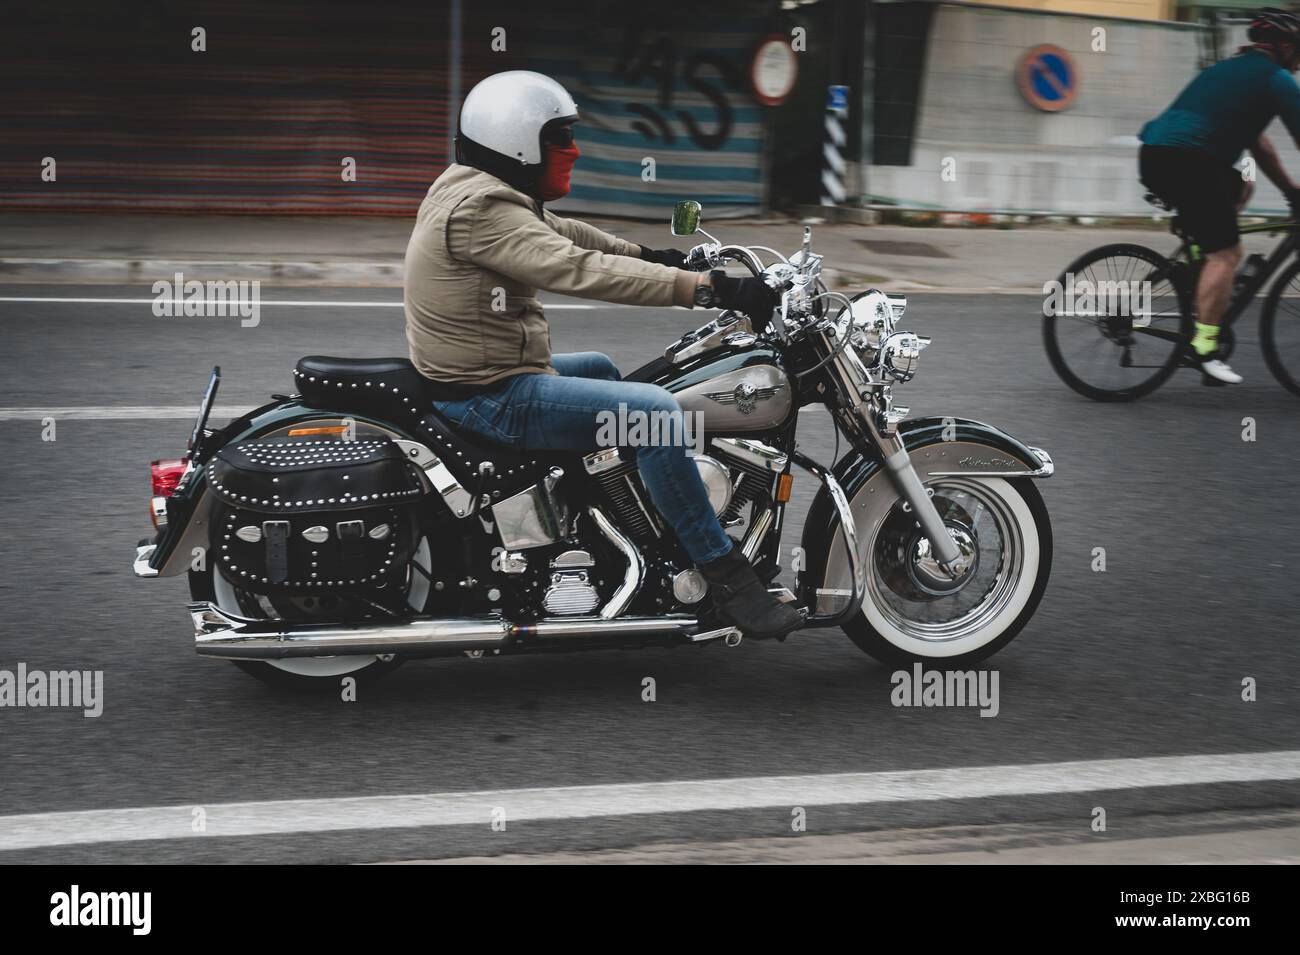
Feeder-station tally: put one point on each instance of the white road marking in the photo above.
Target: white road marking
(120, 413)
(39, 830)
(553, 306)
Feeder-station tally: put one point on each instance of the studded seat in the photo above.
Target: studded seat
(391, 388)
(512, 469)
(388, 387)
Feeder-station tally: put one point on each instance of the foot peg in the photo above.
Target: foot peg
(730, 636)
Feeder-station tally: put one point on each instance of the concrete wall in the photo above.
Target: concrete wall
(1009, 155)
(1133, 9)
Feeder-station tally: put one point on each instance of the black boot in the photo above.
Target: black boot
(743, 600)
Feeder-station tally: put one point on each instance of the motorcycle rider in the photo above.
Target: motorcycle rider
(483, 245)
(1189, 150)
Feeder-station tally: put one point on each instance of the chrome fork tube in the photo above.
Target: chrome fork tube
(898, 465)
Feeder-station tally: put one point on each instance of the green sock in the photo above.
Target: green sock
(1206, 340)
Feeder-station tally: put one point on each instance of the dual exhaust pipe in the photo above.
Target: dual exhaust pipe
(219, 634)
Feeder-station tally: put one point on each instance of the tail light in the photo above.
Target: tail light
(164, 476)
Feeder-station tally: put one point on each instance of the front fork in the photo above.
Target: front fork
(877, 422)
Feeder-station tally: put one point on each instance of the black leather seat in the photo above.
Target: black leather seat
(391, 388)
(388, 387)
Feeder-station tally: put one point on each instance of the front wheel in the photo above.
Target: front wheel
(913, 611)
(1279, 328)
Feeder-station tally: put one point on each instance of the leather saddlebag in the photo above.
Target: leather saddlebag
(313, 514)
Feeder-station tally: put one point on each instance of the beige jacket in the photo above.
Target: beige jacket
(477, 257)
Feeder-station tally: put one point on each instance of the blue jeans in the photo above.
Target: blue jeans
(559, 413)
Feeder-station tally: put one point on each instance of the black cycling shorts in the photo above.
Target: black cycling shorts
(1203, 191)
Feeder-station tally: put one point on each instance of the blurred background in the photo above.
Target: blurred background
(1035, 103)
(139, 140)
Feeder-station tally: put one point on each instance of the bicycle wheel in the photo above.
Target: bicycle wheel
(1112, 349)
(1279, 328)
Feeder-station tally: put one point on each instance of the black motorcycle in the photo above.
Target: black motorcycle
(349, 527)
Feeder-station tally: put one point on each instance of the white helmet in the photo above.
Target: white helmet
(506, 113)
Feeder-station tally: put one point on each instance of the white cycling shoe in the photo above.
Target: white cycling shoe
(1218, 370)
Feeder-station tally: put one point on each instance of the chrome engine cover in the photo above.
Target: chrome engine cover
(570, 593)
(717, 481)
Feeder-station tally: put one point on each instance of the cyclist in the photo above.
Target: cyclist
(1189, 152)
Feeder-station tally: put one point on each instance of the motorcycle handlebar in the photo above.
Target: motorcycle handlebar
(711, 255)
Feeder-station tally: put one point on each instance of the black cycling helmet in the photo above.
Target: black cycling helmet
(1272, 25)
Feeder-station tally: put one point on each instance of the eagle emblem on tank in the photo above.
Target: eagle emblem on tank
(745, 396)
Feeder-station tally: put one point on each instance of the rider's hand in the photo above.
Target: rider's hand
(671, 257)
(748, 295)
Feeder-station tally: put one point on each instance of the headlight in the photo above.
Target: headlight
(901, 353)
(872, 321)
(897, 305)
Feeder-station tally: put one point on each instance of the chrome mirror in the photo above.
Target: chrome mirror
(686, 217)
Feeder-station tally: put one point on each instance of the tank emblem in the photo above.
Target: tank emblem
(745, 396)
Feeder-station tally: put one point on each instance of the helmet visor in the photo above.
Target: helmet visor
(559, 132)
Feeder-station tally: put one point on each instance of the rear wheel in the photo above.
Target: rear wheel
(315, 673)
(1109, 351)
(1279, 328)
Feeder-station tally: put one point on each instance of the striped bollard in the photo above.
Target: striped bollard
(833, 165)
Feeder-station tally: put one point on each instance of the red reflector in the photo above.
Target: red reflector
(165, 475)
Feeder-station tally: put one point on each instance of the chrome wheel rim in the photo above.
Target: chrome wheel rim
(906, 585)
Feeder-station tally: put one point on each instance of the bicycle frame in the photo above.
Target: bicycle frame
(1190, 254)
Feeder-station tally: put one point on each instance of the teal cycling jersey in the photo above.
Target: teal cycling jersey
(1227, 107)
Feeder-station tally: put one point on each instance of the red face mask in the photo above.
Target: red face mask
(554, 183)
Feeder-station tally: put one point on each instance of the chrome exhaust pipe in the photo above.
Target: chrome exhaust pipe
(225, 635)
(579, 627)
(218, 634)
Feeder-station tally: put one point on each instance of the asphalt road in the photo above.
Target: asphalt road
(1144, 660)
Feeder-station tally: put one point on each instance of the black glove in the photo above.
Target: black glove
(664, 257)
(749, 296)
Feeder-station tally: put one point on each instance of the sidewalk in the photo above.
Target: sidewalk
(342, 251)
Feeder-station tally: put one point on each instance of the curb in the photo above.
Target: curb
(148, 271)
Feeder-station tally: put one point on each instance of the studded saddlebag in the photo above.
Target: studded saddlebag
(301, 515)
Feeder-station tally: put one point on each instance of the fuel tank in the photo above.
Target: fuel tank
(738, 391)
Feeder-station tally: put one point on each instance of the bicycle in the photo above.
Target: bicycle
(1118, 353)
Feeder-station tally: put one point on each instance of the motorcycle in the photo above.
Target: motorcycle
(349, 527)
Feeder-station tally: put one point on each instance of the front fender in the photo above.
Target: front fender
(938, 447)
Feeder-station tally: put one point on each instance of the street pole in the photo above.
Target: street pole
(453, 78)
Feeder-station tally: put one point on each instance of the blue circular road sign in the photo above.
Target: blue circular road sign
(1048, 78)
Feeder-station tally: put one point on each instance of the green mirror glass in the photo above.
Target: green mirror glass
(686, 217)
